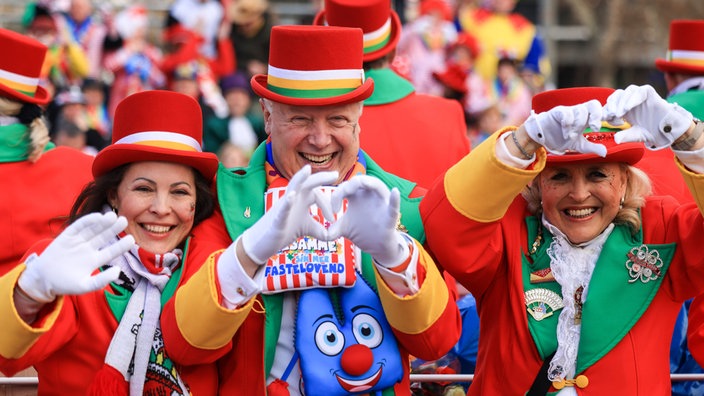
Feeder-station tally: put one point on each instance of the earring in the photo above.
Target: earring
(620, 206)
(193, 206)
(114, 209)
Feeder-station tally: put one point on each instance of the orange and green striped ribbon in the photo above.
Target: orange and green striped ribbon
(313, 84)
(377, 39)
(694, 58)
(23, 84)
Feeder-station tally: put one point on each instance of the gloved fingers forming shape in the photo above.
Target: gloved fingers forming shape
(654, 121)
(290, 218)
(370, 220)
(561, 128)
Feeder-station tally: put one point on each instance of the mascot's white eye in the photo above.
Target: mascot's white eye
(367, 330)
(329, 339)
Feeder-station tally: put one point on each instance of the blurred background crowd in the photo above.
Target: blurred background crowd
(491, 55)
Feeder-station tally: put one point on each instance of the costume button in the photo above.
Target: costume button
(581, 381)
(559, 384)
(667, 129)
(240, 291)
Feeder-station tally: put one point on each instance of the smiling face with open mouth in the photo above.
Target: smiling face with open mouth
(324, 137)
(582, 199)
(158, 200)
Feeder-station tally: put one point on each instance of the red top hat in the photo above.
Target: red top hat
(20, 67)
(439, 6)
(629, 153)
(157, 126)
(686, 51)
(467, 41)
(454, 77)
(380, 24)
(314, 66)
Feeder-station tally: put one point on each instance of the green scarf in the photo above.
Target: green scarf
(14, 143)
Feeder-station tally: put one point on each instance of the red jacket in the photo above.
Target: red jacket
(68, 342)
(478, 232)
(37, 198)
(417, 137)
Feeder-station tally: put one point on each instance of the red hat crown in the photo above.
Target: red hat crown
(20, 68)
(439, 6)
(685, 53)
(469, 42)
(379, 23)
(157, 126)
(454, 77)
(314, 66)
(629, 153)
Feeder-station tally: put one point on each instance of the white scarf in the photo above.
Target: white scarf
(139, 331)
(572, 266)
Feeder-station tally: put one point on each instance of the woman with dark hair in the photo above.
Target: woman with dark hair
(92, 297)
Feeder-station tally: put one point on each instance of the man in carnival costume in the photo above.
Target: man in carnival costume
(314, 265)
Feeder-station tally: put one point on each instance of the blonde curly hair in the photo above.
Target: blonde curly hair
(38, 131)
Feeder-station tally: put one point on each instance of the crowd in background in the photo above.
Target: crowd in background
(209, 49)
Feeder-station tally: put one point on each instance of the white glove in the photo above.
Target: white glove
(562, 128)
(370, 219)
(66, 266)
(653, 120)
(290, 217)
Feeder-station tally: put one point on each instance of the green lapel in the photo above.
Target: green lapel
(389, 87)
(604, 323)
(241, 198)
(544, 331)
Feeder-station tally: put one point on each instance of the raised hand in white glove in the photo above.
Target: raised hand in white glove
(290, 217)
(562, 128)
(654, 121)
(66, 266)
(370, 219)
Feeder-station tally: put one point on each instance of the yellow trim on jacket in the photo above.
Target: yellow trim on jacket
(431, 299)
(197, 303)
(467, 189)
(693, 181)
(17, 336)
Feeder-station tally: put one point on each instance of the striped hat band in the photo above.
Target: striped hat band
(168, 140)
(377, 39)
(313, 83)
(686, 56)
(23, 84)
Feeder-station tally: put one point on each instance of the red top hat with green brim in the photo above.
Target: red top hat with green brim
(314, 66)
(157, 126)
(379, 23)
(685, 53)
(20, 68)
(629, 153)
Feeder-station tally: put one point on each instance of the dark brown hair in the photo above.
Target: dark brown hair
(94, 195)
